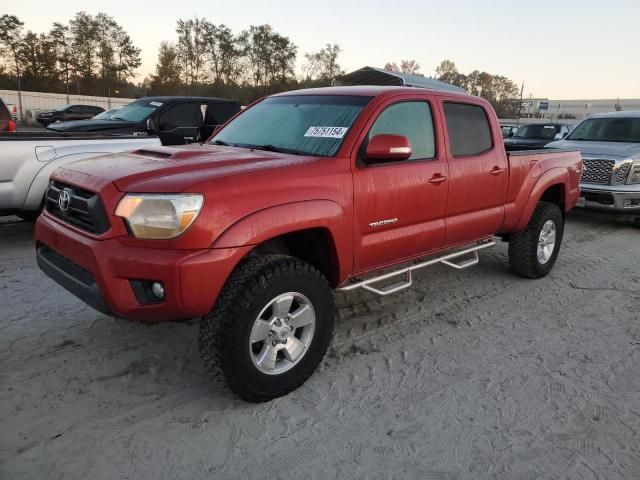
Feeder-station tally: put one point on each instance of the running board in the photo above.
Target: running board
(447, 260)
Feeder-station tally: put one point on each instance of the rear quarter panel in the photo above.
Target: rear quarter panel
(531, 175)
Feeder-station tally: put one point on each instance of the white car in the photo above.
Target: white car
(27, 160)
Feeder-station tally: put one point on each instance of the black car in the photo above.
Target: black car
(176, 120)
(68, 113)
(7, 123)
(536, 135)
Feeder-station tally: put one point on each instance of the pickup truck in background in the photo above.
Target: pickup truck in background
(610, 146)
(303, 193)
(536, 135)
(28, 159)
(175, 120)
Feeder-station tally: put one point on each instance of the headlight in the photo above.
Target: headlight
(634, 175)
(159, 216)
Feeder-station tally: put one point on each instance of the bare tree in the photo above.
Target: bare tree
(10, 41)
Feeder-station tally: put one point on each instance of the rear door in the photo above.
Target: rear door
(180, 123)
(478, 171)
(400, 206)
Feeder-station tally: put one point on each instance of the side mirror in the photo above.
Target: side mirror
(151, 125)
(389, 147)
(510, 134)
(559, 136)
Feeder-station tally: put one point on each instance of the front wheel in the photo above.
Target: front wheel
(533, 252)
(270, 327)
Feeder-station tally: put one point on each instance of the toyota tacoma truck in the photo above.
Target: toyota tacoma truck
(610, 146)
(301, 194)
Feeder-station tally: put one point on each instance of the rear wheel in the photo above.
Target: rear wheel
(533, 252)
(270, 327)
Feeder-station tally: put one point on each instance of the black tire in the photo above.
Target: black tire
(225, 331)
(523, 245)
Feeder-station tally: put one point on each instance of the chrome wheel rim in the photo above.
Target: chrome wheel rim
(546, 242)
(282, 333)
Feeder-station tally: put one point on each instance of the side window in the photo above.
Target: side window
(469, 130)
(183, 115)
(218, 113)
(411, 119)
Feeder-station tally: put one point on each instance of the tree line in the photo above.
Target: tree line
(210, 59)
(94, 55)
(90, 55)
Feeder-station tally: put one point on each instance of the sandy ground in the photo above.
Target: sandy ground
(476, 374)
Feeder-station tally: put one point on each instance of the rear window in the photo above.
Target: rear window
(542, 132)
(469, 130)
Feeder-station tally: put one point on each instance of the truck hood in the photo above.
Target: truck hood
(90, 125)
(175, 169)
(605, 149)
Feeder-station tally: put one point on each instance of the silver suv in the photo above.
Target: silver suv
(610, 146)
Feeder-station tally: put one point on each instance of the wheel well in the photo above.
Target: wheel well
(314, 246)
(555, 194)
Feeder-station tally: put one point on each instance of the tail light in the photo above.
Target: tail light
(15, 112)
(12, 126)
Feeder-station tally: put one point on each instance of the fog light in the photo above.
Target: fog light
(157, 289)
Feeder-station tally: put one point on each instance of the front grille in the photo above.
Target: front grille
(620, 175)
(83, 210)
(597, 171)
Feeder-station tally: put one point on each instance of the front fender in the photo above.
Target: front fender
(552, 177)
(271, 222)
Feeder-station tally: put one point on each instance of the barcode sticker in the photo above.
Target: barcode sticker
(326, 132)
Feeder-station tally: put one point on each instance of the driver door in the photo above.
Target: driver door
(400, 205)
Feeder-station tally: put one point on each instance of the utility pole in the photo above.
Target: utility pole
(520, 104)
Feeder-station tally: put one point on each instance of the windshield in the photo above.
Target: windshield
(545, 132)
(136, 111)
(303, 124)
(105, 115)
(608, 130)
(62, 108)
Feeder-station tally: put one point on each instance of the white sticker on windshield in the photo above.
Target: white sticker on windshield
(326, 132)
(156, 104)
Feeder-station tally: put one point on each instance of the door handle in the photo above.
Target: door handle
(437, 179)
(496, 171)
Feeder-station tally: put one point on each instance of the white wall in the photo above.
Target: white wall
(47, 101)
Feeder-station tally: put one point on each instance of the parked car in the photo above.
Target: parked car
(7, 122)
(28, 158)
(301, 193)
(67, 113)
(610, 146)
(176, 120)
(536, 135)
(508, 130)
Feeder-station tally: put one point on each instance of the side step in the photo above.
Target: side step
(407, 281)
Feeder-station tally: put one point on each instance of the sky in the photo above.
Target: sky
(560, 49)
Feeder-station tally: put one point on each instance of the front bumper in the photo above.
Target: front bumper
(623, 199)
(101, 272)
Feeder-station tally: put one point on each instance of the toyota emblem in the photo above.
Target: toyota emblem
(64, 200)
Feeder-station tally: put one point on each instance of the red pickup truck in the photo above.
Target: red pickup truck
(300, 194)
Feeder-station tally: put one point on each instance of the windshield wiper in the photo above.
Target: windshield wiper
(220, 142)
(273, 148)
